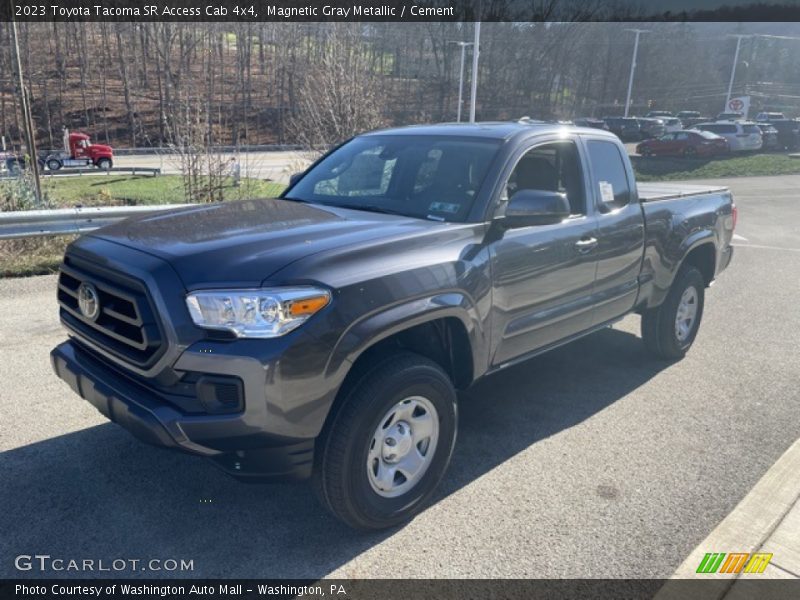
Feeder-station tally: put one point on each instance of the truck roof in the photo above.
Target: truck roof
(498, 130)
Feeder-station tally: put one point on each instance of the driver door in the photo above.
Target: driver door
(543, 276)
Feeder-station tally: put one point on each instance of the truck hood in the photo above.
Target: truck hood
(243, 243)
(100, 148)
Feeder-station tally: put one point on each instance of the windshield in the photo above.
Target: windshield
(416, 176)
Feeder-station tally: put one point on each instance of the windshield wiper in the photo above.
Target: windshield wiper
(372, 208)
(290, 199)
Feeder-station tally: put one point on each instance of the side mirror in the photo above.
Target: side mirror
(295, 177)
(536, 207)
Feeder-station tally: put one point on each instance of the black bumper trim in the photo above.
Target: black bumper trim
(139, 410)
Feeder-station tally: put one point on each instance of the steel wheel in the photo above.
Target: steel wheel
(402, 446)
(669, 330)
(685, 316)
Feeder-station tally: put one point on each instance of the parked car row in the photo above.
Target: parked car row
(710, 139)
(663, 133)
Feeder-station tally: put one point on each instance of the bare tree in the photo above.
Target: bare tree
(204, 170)
(338, 95)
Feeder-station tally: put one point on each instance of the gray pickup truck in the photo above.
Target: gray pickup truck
(324, 334)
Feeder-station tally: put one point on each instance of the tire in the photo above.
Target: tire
(53, 164)
(104, 163)
(388, 400)
(660, 331)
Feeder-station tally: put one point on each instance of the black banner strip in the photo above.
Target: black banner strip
(397, 10)
(402, 589)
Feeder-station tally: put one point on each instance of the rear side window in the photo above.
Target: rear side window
(721, 128)
(751, 129)
(609, 177)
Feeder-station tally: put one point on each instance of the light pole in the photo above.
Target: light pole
(461, 77)
(733, 69)
(475, 53)
(638, 32)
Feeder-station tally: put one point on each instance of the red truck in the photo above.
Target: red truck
(82, 153)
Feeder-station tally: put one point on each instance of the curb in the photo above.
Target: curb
(748, 526)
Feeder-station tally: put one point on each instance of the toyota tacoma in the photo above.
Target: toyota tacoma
(324, 334)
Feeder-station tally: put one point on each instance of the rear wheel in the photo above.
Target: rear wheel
(389, 445)
(669, 330)
(53, 164)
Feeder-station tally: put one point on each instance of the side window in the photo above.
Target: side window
(681, 136)
(552, 167)
(609, 176)
(668, 137)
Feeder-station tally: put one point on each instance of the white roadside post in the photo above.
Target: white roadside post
(475, 53)
(638, 32)
(463, 46)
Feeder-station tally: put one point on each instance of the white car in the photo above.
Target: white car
(671, 124)
(770, 116)
(742, 136)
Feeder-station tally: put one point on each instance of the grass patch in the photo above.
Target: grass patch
(749, 165)
(112, 189)
(34, 256)
(39, 256)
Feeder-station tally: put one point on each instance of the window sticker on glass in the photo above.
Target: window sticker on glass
(606, 191)
(445, 207)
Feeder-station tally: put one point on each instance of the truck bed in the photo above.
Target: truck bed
(651, 192)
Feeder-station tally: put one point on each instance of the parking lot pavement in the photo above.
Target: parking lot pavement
(591, 461)
(764, 525)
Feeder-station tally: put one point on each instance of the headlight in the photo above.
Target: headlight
(263, 313)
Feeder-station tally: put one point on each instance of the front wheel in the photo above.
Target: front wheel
(389, 445)
(104, 163)
(669, 330)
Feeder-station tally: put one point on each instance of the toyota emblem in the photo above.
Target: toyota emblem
(88, 301)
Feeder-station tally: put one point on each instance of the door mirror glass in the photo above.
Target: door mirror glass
(536, 207)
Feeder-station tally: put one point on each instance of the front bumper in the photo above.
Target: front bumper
(231, 441)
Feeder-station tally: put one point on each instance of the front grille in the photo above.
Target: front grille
(126, 326)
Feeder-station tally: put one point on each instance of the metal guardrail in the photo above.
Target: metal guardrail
(67, 221)
(154, 172)
(220, 149)
(95, 171)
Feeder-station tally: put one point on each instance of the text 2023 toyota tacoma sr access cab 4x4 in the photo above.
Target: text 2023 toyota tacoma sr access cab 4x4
(324, 334)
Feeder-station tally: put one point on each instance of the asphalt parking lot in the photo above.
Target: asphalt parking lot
(592, 461)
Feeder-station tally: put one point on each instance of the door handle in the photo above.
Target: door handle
(586, 244)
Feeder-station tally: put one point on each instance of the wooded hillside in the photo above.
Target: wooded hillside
(128, 84)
